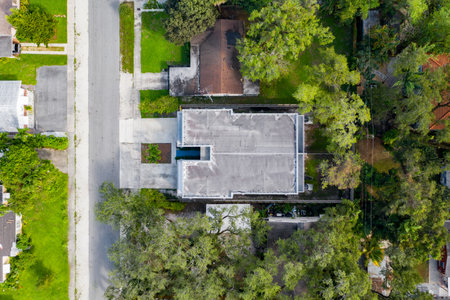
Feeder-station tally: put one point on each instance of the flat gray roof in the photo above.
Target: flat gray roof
(249, 153)
(5, 45)
(9, 96)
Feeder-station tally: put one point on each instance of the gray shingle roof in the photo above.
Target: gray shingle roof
(6, 46)
(9, 95)
(7, 236)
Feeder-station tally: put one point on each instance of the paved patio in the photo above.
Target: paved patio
(133, 173)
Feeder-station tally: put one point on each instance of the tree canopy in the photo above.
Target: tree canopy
(346, 10)
(277, 34)
(33, 24)
(188, 18)
(341, 112)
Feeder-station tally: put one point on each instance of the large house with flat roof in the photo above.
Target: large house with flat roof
(239, 153)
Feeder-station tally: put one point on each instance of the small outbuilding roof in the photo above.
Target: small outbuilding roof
(7, 237)
(5, 29)
(9, 96)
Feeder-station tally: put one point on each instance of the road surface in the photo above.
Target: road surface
(103, 131)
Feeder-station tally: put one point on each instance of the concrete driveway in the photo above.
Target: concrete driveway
(133, 173)
(50, 106)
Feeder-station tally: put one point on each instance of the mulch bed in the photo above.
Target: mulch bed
(166, 153)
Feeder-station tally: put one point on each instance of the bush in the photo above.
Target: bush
(160, 106)
(33, 24)
(159, 200)
(153, 154)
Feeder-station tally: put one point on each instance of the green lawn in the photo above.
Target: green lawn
(157, 52)
(24, 67)
(56, 7)
(126, 12)
(281, 90)
(48, 277)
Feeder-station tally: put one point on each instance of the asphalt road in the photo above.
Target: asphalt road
(103, 130)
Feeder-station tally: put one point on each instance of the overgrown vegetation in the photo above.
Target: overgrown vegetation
(157, 103)
(126, 12)
(38, 192)
(158, 52)
(24, 68)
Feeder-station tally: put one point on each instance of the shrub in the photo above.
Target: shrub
(160, 201)
(33, 24)
(153, 154)
(160, 106)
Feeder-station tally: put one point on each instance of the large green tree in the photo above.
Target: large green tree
(329, 254)
(339, 111)
(183, 258)
(346, 10)
(277, 34)
(33, 24)
(188, 18)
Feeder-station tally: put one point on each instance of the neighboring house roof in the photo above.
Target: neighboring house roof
(443, 112)
(235, 211)
(214, 66)
(5, 29)
(7, 237)
(219, 66)
(248, 153)
(9, 98)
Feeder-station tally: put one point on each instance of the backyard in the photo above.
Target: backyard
(126, 12)
(24, 68)
(157, 53)
(47, 275)
(58, 8)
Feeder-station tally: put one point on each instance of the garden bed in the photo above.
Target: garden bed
(166, 153)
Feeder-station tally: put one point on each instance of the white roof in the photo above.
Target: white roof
(9, 97)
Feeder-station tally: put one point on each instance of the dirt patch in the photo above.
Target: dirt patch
(373, 152)
(166, 153)
(57, 157)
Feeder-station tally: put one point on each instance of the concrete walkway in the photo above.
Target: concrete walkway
(145, 81)
(62, 52)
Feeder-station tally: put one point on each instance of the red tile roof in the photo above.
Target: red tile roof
(219, 66)
(443, 112)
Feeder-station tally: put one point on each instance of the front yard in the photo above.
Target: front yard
(157, 53)
(47, 276)
(24, 67)
(58, 8)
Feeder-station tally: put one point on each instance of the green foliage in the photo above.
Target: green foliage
(33, 23)
(277, 35)
(33, 140)
(183, 258)
(39, 192)
(250, 5)
(343, 172)
(24, 68)
(384, 42)
(329, 254)
(435, 30)
(188, 18)
(416, 9)
(126, 12)
(161, 106)
(346, 10)
(163, 52)
(153, 154)
(340, 112)
(421, 91)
